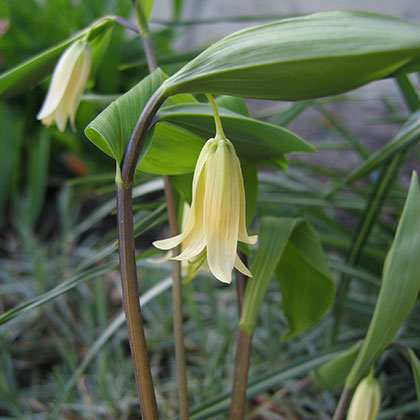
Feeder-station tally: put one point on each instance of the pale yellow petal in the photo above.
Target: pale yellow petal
(195, 246)
(194, 215)
(80, 84)
(241, 267)
(195, 242)
(242, 234)
(208, 148)
(169, 243)
(60, 78)
(221, 212)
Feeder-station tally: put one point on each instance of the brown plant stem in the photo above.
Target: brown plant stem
(243, 353)
(342, 403)
(128, 262)
(131, 304)
(150, 55)
(240, 379)
(176, 272)
(177, 308)
(127, 258)
(241, 284)
(128, 169)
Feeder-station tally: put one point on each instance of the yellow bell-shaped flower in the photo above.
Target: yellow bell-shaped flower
(216, 221)
(366, 399)
(67, 85)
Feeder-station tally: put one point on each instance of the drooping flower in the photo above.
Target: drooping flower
(365, 402)
(216, 221)
(67, 85)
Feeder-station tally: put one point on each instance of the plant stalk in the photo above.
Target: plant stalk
(128, 170)
(243, 353)
(241, 281)
(342, 404)
(128, 267)
(176, 272)
(177, 308)
(132, 306)
(240, 379)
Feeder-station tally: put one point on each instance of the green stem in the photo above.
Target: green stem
(219, 128)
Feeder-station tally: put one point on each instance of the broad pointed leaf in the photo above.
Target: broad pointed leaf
(415, 366)
(112, 128)
(173, 150)
(254, 141)
(333, 373)
(304, 279)
(290, 248)
(399, 289)
(306, 57)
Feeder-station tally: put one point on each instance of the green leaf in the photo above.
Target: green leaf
(183, 184)
(406, 137)
(143, 10)
(31, 72)
(254, 141)
(112, 128)
(304, 279)
(234, 104)
(39, 157)
(250, 176)
(99, 46)
(173, 150)
(306, 57)
(333, 373)
(290, 248)
(10, 152)
(260, 384)
(415, 366)
(399, 289)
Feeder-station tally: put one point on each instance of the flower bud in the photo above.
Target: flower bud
(67, 85)
(366, 399)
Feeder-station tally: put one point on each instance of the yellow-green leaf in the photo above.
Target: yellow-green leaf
(306, 57)
(415, 366)
(399, 289)
(290, 248)
(333, 373)
(112, 128)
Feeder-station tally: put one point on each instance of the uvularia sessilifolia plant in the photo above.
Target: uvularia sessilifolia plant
(294, 59)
